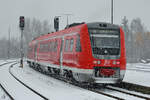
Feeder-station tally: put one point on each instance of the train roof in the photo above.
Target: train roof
(72, 28)
(102, 25)
(76, 27)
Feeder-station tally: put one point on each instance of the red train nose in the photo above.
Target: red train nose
(107, 72)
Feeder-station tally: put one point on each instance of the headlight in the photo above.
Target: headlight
(116, 62)
(96, 62)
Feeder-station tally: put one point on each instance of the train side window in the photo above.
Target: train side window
(78, 44)
(50, 46)
(55, 46)
(45, 47)
(41, 46)
(71, 44)
(67, 45)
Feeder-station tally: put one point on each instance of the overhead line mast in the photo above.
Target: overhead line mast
(9, 42)
(112, 11)
(67, 15)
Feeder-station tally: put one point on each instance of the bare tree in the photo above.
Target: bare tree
(128, 39)
(34, 28)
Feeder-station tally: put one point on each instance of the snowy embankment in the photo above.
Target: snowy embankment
(52, 88)
(138, 73)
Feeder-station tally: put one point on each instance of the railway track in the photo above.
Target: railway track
(106, 94)
(7, 63)
(128, 93)
(12, 96)
(100, 91)
(133, 87)
(45, 98)
(88, 87)
(7, 93)
(110, 91)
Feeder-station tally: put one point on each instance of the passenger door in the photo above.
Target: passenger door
(61, 55)
(35, 52)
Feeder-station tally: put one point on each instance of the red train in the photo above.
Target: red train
(92, 52)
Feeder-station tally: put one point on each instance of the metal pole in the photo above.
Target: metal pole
(67, 20)
(9, 42)
(112, 11)
(21, 49)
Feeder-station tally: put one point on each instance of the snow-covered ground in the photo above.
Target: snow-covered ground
(3, 95)
(55, 89)
(14, 88)
(138, 73)
(52, 88)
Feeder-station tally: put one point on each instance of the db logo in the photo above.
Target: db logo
(107, 62)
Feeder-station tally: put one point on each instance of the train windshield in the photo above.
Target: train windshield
(105, 43)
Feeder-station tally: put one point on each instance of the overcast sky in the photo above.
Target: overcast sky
(81, 10)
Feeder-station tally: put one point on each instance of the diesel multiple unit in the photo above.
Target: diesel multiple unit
(92, 52)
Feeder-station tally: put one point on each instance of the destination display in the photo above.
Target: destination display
(96, 31)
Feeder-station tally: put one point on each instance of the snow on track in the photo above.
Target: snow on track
(52, 88)
(4, 95)
(130, 92)
(121, 95)
(13, 87)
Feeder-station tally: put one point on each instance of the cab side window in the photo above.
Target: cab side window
(78, 44)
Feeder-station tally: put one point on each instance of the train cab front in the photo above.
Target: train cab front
(108, 52)
(108, 71)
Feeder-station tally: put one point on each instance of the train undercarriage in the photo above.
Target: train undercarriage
(93, 77)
